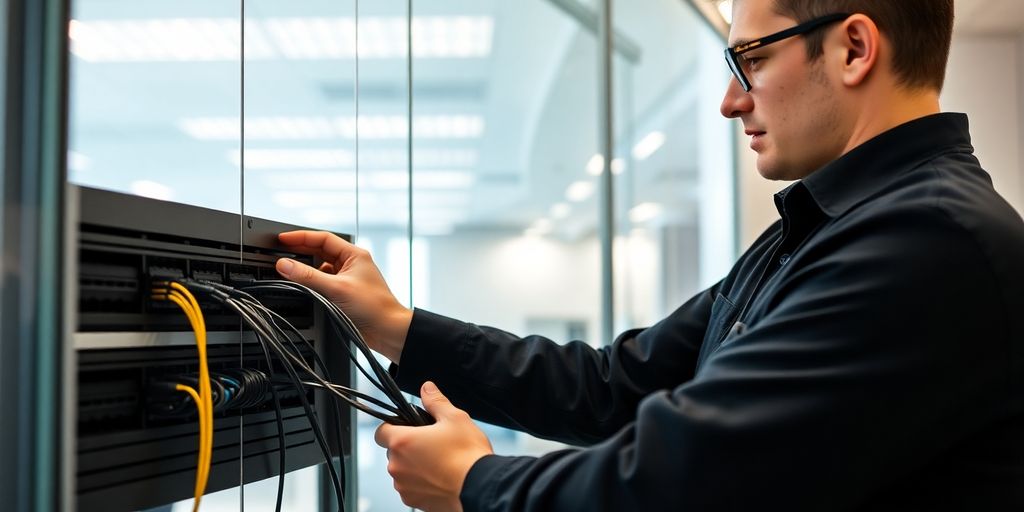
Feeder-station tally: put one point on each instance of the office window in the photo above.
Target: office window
(488, 213)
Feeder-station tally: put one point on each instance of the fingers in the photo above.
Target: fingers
(302, 273)
(328, 246)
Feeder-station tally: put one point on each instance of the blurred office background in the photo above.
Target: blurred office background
(490, 212)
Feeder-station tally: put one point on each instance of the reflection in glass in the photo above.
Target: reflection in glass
(140, 72)
(674, 198)
(502, 228)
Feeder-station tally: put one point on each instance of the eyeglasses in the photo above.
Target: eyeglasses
(732, 55)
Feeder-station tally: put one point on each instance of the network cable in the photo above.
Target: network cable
(278, 339)
(203, 398)
(270, 338)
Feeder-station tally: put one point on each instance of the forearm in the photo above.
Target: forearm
(572, 392)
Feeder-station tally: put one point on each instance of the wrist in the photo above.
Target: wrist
(393, 341)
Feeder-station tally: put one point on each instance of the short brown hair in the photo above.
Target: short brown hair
(919, 30)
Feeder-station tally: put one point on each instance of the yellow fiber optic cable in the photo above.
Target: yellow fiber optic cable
(204, 397)
(205, 390)
(202, 427)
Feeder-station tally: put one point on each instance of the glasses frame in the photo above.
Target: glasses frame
(733, 53)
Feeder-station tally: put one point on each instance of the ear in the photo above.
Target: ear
(860, 45)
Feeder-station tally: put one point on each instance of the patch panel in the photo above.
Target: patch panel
(130, 454)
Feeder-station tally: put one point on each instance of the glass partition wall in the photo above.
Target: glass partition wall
(469, 166)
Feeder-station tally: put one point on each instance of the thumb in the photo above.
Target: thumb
(434, 401)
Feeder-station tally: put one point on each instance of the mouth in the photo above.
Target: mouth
(755, 138)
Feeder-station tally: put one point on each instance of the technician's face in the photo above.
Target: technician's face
(790, 113)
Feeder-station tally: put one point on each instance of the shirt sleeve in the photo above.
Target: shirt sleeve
(572, 393)
(877, 359)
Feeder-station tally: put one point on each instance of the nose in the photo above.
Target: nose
(736, 100)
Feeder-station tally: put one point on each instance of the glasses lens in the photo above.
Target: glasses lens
(734, 66)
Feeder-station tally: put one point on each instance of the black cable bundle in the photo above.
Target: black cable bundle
(273, 338)
(276, 335)
(402, 412)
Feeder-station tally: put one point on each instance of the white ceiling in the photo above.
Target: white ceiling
(989, 16)
(535, 92)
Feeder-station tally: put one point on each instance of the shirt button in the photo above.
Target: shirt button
(783, 259)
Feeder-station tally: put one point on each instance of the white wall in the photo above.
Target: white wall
(753, 193)
(501, 281)
(1020, 115)
(985, 79)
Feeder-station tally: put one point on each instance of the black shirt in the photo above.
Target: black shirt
(864, 354)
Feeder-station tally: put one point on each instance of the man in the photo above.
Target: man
(864, 354)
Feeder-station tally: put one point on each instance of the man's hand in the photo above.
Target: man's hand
(429, 464)
(350, 279)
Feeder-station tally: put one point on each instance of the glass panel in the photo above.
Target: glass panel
(505, 217)
(154, 106)
(502, 199)
(674, 194)
(383, 103)
(299, 142)
(144, 76)
(300, 113)
(300, 495)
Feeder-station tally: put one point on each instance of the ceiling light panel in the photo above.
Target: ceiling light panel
(300, 128)
(293, 158)
(218, 39)
(579, 191)
(171, 39)
(648, 145)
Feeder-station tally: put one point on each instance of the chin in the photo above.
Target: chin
(778, 171)
(770, 171)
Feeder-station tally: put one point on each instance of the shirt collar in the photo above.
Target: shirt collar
(871, 166)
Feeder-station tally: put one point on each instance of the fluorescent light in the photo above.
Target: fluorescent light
(421, 158)
(391, 180)
(317, 180)
(595, 166)
(293, 158)
(217, 39)
(579, 191)
(299, 128)
(152, 189)
(644, 212)
(648, 145)
(447, 127)
(438, 199)
(560, 210)
(618, 166)
(452, 37)
(442, 179)
(432, 228)
(316, 199)
(166, 39)
(725, 9)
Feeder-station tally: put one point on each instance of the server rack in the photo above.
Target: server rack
(129, 458)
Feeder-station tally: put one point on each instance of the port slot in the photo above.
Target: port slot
(108, 283)
(116, 391)
(115, 289)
